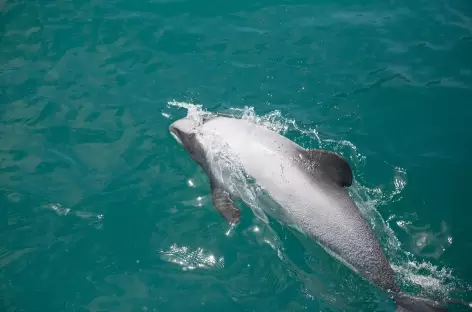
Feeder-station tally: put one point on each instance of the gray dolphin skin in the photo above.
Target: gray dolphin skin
(309, 187)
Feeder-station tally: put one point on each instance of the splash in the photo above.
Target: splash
(423, 276)
(194, 111)
(190, 259)
(273, 120)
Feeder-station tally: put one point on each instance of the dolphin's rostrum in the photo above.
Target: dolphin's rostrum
(308, 186)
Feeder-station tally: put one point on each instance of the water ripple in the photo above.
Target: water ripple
(101, 210)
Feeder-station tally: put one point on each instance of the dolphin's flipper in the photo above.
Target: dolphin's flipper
(333, 165)
(224, 205)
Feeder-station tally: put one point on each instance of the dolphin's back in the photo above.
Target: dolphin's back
(316, 205)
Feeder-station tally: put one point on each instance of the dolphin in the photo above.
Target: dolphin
(308, 185)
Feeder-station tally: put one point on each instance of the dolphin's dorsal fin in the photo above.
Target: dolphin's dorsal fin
(333, 165)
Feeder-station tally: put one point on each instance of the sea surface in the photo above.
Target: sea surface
(102, 210)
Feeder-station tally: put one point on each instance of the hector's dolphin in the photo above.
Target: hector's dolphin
(308, 186)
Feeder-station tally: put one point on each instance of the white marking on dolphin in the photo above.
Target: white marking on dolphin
(307, 185)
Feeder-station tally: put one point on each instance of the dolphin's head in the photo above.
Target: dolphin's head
(185, 133)
(183, 130)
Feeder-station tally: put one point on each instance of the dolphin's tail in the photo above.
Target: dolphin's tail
(409, 303)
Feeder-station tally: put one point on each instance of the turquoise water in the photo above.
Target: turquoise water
(101, 210)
